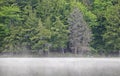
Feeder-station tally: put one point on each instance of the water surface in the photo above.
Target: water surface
(59, 67)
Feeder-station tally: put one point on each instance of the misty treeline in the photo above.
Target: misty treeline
(75, 26)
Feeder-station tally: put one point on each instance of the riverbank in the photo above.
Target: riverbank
(60, 55)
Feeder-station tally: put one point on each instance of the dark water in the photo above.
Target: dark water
(59, 67)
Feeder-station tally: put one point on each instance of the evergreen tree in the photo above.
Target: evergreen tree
(112, 34)
(2, 36)
(59, 35)
(99, 9)
(9, 17)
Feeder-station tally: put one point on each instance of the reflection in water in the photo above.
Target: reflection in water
(59, 67)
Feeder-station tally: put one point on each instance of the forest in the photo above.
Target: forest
(60, 26)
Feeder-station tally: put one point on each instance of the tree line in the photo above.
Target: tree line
(75, 26)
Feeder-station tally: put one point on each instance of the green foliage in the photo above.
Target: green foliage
(12, 40)
(9, 13)
(42, 24)
(88, 15)
(112, 34)
(99, 9)
(106, 37)
(40, 36)
(59, 34)
(2, 36)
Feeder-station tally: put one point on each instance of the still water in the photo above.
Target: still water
(59, 67)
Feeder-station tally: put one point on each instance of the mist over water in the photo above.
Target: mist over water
(59, 67)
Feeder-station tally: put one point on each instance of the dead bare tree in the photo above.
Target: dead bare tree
(80, 34)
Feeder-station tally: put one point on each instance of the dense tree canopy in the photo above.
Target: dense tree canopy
(42, 26)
